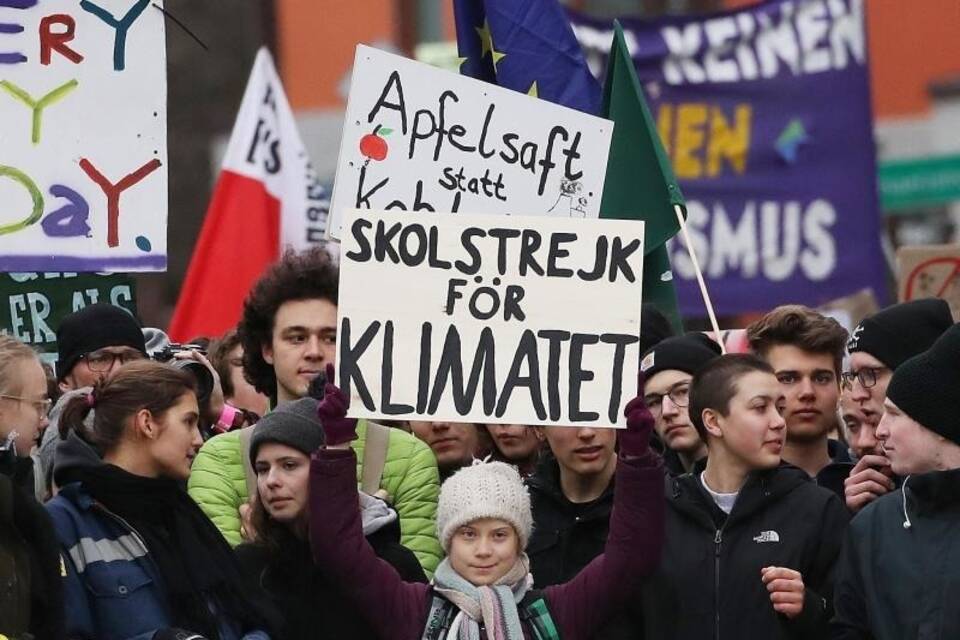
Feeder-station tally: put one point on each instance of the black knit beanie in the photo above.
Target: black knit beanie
(686, 353)
(901, 331)
(294, 424)
(925, 386)
(95, 327)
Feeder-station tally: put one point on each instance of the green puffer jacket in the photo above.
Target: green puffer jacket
(218, 484)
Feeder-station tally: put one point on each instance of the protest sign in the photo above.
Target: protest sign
(931, 271)
(765, 115)
(418, 138)
(32, 305)
(83, 174)
(489, 318)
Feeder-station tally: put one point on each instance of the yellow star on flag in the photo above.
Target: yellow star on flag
(486, 40)
(532, 91)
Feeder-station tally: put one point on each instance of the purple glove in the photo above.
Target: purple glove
(337, 427)
(635, 439)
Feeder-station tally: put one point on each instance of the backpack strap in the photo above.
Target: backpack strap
(536, 614)
(439, 618)
(374, 457)
(248, 472)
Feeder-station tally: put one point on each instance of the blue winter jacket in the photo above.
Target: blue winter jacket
(112, 587)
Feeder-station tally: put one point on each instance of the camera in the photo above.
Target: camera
(199, 370)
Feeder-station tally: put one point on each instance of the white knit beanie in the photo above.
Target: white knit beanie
(484, 490)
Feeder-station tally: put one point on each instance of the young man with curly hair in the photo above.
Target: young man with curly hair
(289, 334)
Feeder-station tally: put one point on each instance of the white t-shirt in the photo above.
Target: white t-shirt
(724, 501)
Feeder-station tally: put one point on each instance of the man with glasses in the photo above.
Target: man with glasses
(879, 345)
(669, 366)
(91, 343)
(806, 350)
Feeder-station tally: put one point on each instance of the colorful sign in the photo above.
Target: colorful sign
(417, 138)
(765, 115)
(489, 318)
(32, 305)
(83, 176)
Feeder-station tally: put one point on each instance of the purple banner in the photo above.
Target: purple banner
(765, 114)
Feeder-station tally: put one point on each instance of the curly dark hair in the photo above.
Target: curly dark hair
(302, 275)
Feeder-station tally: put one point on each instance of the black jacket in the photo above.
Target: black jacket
(709, 583)
(567, 536)
(833, 475)
(311, 607)
(896, 581)
(31, 590)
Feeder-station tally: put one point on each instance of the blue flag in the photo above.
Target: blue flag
(527, 46)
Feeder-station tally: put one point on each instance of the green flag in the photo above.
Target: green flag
(640, 184)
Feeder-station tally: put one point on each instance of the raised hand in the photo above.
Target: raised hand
(635, 439)
(337, 427)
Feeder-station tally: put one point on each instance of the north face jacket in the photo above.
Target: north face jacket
(899, 574)
(218, 484)
(709, 586)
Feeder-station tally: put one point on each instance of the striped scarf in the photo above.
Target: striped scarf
(495, 606)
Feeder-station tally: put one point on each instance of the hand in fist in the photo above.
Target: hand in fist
(635, 439)
(337, 427)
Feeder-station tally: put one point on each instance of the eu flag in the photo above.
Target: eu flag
(527, 46)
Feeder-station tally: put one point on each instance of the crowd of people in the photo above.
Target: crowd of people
(807, 489)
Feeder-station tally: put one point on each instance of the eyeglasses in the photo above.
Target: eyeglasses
(679, 396)
(103, 360)
(867, 376)
(42, 406)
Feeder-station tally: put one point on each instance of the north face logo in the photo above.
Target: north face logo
(767, 536)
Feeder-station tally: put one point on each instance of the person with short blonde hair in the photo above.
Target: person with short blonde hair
(24, 406)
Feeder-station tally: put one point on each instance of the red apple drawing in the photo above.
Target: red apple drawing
(373, 146)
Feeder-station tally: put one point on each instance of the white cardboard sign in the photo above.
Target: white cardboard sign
(489, 318)
(420, 138)
(83, 139)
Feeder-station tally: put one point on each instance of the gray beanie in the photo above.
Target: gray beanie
(294, 424)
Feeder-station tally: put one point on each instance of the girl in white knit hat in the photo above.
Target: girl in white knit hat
(482, 589)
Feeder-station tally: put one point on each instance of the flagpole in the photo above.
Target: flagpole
(703, 285)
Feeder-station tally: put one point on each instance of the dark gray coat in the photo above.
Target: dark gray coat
(896, 582)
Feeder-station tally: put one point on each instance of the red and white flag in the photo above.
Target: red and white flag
(267, 197)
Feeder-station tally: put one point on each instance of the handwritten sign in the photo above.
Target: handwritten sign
(931, 271)
(32, 305)
(417, 138)
(83, 177)
(489, 318)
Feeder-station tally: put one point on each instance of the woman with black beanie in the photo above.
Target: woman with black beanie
(141, 560)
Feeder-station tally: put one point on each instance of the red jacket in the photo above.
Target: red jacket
(398, 610)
